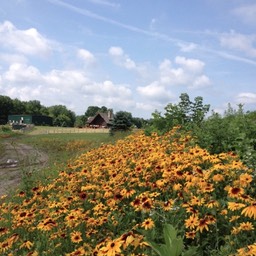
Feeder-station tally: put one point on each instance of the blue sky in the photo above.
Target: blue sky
(130, 55)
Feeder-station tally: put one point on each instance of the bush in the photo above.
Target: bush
(5, 129)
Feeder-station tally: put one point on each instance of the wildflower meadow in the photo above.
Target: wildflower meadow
(119, 198)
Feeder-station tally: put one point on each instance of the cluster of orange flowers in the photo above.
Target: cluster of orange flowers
(106, 200)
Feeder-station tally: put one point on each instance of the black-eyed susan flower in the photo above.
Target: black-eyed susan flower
(167, 205)
(235, 192)
(234, 206)
(127, 238)
(249, 250)
(128, 193)
(34, 253)
(212, 204)
(250, 211)
(234, 218)
(113, 248)
(21, 194)
(13, 238)
(47, 224)
(147, 205)
(4, 246)
(210, 218)
(136, 204)
(71, 219)
(218, 177)
(76, 237)
(3, 230)
(192, 222)
(80, 251)
(252, 249)
(235, 230)
(176, 187)
(246, 226)
(197, 201)
(245, 179)
(203, 225)
(190, 234)
(26, 244)
(148, 224)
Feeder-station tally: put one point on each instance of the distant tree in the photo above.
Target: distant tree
(186, 113)
(62, 120)
(122, 121)
(104, 109)
(19, 107)
(138, 122)
(198, 110)
(33, 107)
(91, 111)
(62, 116)
(80, 122)
(157, 123)
(6, 106)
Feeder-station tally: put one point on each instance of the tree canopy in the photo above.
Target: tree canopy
(186, 113)
(122, 121)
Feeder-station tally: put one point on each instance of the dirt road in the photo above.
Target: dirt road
(15, 160)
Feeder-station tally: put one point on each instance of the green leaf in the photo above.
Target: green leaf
(173, 243)
(190, 252)
(160, 249)
(177, 246)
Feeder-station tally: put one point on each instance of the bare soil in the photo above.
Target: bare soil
(16, 159)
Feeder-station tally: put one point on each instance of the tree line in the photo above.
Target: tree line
(61, 115)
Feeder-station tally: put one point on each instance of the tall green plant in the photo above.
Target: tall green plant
(186, 113)
(173, 244)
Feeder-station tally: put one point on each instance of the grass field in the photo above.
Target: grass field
(67, 130)
(61, 145)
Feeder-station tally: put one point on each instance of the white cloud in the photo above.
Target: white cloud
(170, 75)
(28, 42)
(191, 65)
(149, 107)
(66, 79)
(247, 13)
(154, 92)
(240, 42)
(201, 82)
(107, 89)
(246, 98)
(72, 88)
(187, 47)
(12, 58)
(117, 96)
(116, 51)
(22, 73)
(121, 59)
(25, 93)
(188, 73)
(86, 55)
